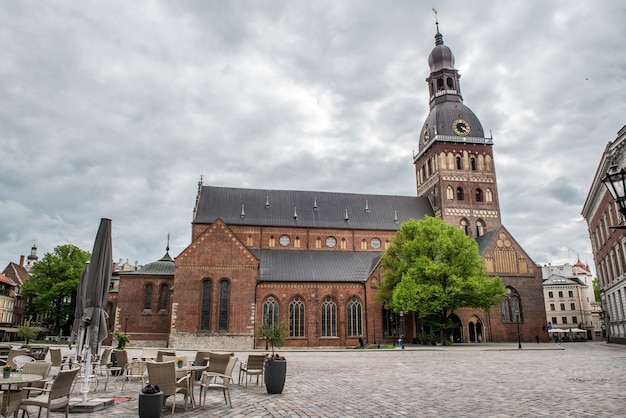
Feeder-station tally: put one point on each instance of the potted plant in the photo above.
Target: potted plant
(150, 402)
(122, 340)
(179, 361)
(276, 366)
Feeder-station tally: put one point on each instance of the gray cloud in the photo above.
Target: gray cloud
(115, 109)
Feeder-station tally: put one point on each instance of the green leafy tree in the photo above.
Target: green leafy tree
(50, 291)
(432, 268)
(26, 332)
(596, 289)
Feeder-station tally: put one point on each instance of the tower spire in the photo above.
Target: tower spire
(436, 12)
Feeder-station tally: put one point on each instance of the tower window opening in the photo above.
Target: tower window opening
(473, 163)
(460, 194)
(479, 195)
(459, 165)
(465, 226)
(439, 84)
(450, 83)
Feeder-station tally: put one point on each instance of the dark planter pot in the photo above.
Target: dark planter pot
(275, 375)
(114, 364)
(6, 373)
(150, 405)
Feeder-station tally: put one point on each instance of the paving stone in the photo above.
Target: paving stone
(486, 380)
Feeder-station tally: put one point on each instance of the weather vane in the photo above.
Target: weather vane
(435, 11)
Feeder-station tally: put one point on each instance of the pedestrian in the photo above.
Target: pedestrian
(361, 342)
(537, 338)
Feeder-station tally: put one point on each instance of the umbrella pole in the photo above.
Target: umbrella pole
(87, 368)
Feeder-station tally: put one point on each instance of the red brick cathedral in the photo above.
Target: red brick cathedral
(312, 258)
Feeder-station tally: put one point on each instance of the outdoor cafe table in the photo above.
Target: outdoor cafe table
(191, 371)
(12, 398)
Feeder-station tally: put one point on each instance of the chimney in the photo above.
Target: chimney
(22, 260)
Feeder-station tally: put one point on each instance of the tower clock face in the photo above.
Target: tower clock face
(461, 127)
(426, 136)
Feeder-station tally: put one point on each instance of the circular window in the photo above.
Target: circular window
(331, 242)
(375, 243)
(284, 240)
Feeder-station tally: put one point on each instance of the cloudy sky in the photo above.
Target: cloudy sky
(115, 109)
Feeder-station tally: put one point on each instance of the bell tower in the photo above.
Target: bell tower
(454, 167)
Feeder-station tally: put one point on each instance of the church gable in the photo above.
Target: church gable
(503, 255)
(219, 247)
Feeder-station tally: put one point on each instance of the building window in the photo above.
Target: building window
(572, 306)
(343, 244)
(449, 193)
(510, 306)
(465, 226)
(473, 163)
(459, 165)
(459, 194)
(488, 195)
(296, 318)
(570, 293)
(249, 241)
(550, 294)
(574, 319)
(391, 323)
(147, 300)
(318, 243)
(552, 307)
(560, 293)
(163, 297)
(375, 243)
(354, 314)
(272, 242)
(329, 318)
(364, 245)
(270, 311)
(479, 195)
(564, 320)
(205, 315)
(562, 306)
(296, 242)
(222, 318)
(554, 321)
(480, 228)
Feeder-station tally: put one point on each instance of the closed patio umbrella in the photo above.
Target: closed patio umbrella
(92, 297)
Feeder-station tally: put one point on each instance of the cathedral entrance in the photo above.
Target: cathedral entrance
(475, 328)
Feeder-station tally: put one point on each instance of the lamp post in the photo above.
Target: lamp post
(126, 324)
(402, 329)
(615, 182)
(519, 336)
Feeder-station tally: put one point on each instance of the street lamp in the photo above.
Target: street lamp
(519, 336)
(615, 182)
(402, 329)
(126, 324)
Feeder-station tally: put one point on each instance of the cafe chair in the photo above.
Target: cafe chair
(164, 375)
(101, 366)
(14, 353)
(218, 381)
(56, 396)
(41, 368)
(135, 369)
(253, 367)
(201, 359)
(56, 358)
(21, 360)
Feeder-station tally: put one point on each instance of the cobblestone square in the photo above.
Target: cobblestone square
(485, 380)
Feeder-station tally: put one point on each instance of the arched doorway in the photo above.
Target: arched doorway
(476, 330)
(455, 332)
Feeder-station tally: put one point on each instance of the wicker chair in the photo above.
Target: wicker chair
(135, 369)
(21, 360)
(164, 375)
(253, 367)
(201, 360)
(14, 353)
(161, 353)
(56, 358)
(218, 381)
(218, 362)
(54, 397)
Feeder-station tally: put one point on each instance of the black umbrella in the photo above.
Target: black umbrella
(91, 298)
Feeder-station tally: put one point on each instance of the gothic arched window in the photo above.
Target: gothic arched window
(449, 192)
(165, 290)
(464, 226)
(329, 317)
(459, 194)
(473, 163)
(354, 314)
(459, 163)
(479, 195)
(222, 315)
(511, 307)
(270, 311)
(488, 195)
(439, 84)
(205, 310)
(480, 228)
(450, 83)
(147, 300)
(296, 317)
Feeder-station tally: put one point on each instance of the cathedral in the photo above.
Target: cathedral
(312, 258)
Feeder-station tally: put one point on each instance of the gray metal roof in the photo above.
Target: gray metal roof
(315, 265)
(162, 267)
(557, 280)
(308, 209)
